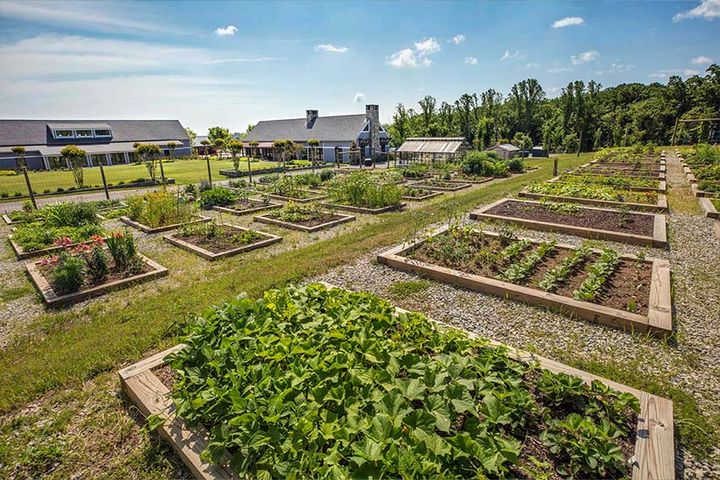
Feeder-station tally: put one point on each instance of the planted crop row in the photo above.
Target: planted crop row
(560, 274)
(593, 191)
(600, 273)
(520, 271)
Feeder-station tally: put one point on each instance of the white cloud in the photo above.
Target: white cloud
(568, 22)
(329, 47)
(683, 72)
(708, 9)
(621, 67)
(95, 16)
(584, 57)
(359, 97)
(701, 60)
(406, 58)
(427, 46)
(559, 70)
(226, 31)
(511, 55)
(553, 90)
(458, 39)
(471, 61)
(532, 65)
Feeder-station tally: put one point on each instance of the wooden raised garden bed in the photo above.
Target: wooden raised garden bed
(313, 198)
(54, 299)
(657, 318)
(23, 255)
(661, 185)
(709, 208)
(660, 207)
(427, 195)
(589, 222)
(442, 186)
(333, 220)
(213, 252)
(473, 179)
(369, 211)
(654, 449)
(695, 187)
(250, 206)
(164, 228)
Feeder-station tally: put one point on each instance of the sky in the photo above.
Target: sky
(235, 63)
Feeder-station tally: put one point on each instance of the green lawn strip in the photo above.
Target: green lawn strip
(77, 344)
(184, 171)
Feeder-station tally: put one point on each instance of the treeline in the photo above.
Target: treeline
(584, 116)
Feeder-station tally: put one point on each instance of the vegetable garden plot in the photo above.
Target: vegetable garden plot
(618, 181)
(601, 196)
(614, 172)
(710, 206)
(440, 185)
(307, 197)
(163, 228)
(215, 241)
(303, 217)
(589, 222)
(369, 211)
(351, 387)
(419, 194)
(41, 276)
(248, 205)
(621, 291)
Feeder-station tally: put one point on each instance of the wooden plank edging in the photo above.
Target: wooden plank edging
(232, 211)
(164, 228)
(369, 211)
(303, 228)
(660, 206)
(708, 208)
(208, 255)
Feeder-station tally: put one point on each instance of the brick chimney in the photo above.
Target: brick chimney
(372, 115)
(310, 117)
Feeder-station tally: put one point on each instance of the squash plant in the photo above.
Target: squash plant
(310, 382)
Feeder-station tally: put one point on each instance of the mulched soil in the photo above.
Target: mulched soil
(629, 222)
(247, 204)
(318, 219)
(437, 183)
(631, 280)
(230, 238)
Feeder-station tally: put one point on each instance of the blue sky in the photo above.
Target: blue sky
(231, 63)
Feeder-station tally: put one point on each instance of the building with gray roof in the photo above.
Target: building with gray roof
(105, 141)
(335, 133)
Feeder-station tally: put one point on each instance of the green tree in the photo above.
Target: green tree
(215, 133)
(466, 110)
(75, 158)
(313, 145)
(427, 106)
(205, 143)
(523, 142)
(171, 148)
(235, 147)
(192, 136)
(220, 144)
(19, 158)
(149, 153)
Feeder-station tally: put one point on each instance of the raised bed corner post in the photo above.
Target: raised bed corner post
(249, 171)
(105, 185)
(29, 187)
(555, 165)
(207, 160)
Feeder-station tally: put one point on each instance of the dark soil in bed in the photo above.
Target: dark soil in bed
(228, 239)
(248, 204)
(616, 221)
(318, 219)
(631, 280)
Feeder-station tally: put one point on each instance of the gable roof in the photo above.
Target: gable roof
(432, 144)
(326, 129)
(38, 132)
(506, 146)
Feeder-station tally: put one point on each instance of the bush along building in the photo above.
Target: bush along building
(106, 142)
(336, 135)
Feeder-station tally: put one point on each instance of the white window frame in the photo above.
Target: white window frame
(57, 135)
(97, 135)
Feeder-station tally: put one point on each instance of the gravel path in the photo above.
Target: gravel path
(691, 361)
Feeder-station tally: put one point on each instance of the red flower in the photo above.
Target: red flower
(118, 234)
(64, 241)
(49, 261)
(98, 239)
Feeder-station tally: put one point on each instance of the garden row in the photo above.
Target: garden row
(701, 165)
(602, 286)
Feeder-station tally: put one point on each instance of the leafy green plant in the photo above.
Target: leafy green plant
(157, 209)
(124, 251)
(67, 274)
(362, 189)
(520, 271)
(599, 274)
(217, 196)
(312, 382)
(560, 274)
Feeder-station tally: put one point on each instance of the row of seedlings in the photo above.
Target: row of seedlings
(701, 165)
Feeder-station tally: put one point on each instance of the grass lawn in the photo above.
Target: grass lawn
(182, 170)
(60, 394)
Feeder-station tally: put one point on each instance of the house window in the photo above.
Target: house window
(103, 133)
(63, 133)
(83, 133)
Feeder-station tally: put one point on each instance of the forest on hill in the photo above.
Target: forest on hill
(585, 115)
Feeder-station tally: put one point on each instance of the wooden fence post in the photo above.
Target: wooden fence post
(555, 165)
(105, 186)
(29, 187)
(207, 159)
(162, 172)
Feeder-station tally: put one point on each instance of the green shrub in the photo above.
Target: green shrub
(67, 275)
(124, 252)
(485, 164)
(157, 209)
(361, 189)
(217, 196)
